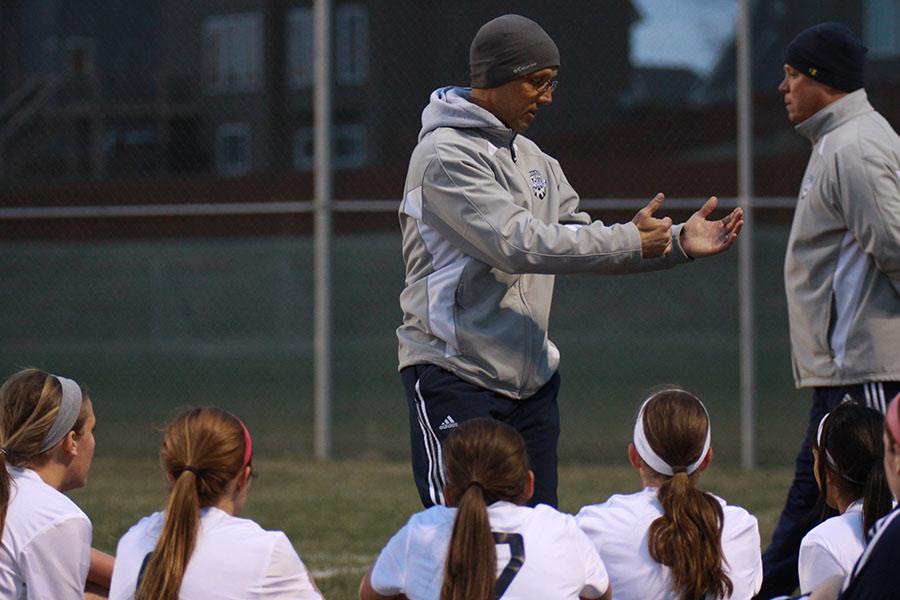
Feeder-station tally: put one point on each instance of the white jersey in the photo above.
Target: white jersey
(541, 554)
(831, 548)
(618, 528)
(46, 551)
(233, 559)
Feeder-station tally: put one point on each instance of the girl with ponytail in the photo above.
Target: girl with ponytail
(486, 544)
(46, 449)
(848, 455)
(198, 548)
(673, 540)
(874, 576)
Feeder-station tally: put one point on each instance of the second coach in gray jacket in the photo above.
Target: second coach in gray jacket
(488, 220)
(842, 268)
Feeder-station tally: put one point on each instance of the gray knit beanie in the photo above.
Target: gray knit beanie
(507, 48)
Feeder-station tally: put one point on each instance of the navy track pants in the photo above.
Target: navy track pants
(438, 401)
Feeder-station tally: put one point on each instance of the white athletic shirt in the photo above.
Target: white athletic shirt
(831, 548)
(618, 528)
(234, 558)
(559, 562)
(46, 550)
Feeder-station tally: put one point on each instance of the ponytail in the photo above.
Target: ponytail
(203, 451)
(850, 445)
(687, 538)
(470, 570)
(168, 562)
(485, 461)
(4, 489)
(877, 497)
(672, 436)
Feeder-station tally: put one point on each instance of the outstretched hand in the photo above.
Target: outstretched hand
(701, 237)
(656, 235)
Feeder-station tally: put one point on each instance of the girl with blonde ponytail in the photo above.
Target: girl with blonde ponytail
(486, 544)
(673, 540)
(198, 548)
(46, 449)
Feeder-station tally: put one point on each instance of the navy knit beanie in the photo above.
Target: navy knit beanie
(507, 48)
(830, 53)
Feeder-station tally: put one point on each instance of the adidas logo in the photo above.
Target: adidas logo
(448, 423)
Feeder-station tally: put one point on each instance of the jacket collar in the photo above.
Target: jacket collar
(834, 115)
(451, 107)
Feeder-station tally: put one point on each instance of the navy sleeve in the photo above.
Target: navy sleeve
(875, 575)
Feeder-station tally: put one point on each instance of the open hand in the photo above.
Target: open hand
(656, 234)
(701, 237)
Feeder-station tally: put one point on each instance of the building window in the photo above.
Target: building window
(881, 28)
(300, 48)
(348, 147)
(232, 52)
(233, 149)
(352, 44)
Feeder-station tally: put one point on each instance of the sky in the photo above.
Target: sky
(682, 32)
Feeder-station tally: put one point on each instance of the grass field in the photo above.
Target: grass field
(153, 325)
(339, 514)
(149, 326)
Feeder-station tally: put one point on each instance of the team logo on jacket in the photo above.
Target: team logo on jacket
(808, 182)
(538, 184)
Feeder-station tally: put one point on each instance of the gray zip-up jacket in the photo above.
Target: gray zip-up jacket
(842, 269)
(487, 220)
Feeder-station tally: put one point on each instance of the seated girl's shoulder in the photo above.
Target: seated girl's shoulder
(622, 505)
(547, 513)
(841, 526)
(437, 516)
(732, 511)
(150, 526)
(738, 519)
(235, 525)
(30, 495)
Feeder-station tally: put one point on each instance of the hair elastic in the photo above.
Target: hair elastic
(892, 418)
(248, 445)
(193, 470)
(649, 456)
(69, 409)
(477, 484)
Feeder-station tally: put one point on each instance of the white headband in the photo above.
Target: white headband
(69, 409)
(832, 464)
(650, 457)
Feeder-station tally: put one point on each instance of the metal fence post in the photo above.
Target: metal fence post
(744, 93)
(322, 235)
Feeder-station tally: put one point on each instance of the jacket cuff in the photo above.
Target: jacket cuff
(678, 254)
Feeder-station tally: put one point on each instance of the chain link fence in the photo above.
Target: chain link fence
(156, 178)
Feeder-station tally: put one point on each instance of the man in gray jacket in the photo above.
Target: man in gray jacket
(488, 220)
(842, 268)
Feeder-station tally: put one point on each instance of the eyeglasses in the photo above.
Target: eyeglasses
(542, 86)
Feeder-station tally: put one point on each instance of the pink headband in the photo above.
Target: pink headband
(248, 445)
(892, 418)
